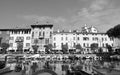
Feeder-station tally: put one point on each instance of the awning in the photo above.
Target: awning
(35, 56)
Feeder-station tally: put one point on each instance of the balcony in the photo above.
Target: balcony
(19, 40)
(41, 37)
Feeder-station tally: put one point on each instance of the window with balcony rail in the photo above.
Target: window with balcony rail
(54, 45)
(19, 39)
(28, 38)
(85, 38)
(27, 44)
(54, 38)
(62, 38)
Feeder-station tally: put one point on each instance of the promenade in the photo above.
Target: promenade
(78, 55)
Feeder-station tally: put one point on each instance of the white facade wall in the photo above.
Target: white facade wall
(102, 39)
(13, 41)
(59, 38)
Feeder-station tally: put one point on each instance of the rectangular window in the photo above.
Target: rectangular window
(20, 38)
(39, 33)
(43, 33)
(83, 44)
(78, 38)
(74, 45)
(103, 45)
(11, 38)
(87, 44)
(54, 38)
(61, 38)
(25, 32)
(96, 39)
(27, 44)
(32, 34)
(54, 45)
(73, 38)
(50, 34)
(15, 32)
(66, 38)
(93, 39)
(11, 44)
(85, 38)
(28, 38)
(61, 44)
(105, 39)
(46, 41)
(102, 39)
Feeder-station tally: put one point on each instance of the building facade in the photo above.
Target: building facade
(19, 37)
(84, 39)
(42, 34)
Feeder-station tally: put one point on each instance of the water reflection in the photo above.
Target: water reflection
(63, 67)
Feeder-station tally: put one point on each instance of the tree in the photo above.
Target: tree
(110, 32)
(4, 47)
(35, 48)
(20, 47)
(65, 49)
(48, 48)
(36, 41)
(100, 50)
(110, 50)
(94, 46)
(79, 47)
(114, 32)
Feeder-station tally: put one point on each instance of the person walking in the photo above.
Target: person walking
(34, 67)
(23, 69)
(27, 69)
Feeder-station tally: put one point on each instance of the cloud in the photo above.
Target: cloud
(59, 22)
(44, 18)
(101, 13)
(98, 5)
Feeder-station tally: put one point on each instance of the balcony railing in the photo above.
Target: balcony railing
(41, 37)
(19, 40)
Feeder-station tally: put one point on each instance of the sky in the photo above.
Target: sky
(64, 14)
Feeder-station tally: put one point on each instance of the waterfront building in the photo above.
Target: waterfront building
(84, 39)
(20, 37)
(39, 34)
(43, 34)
